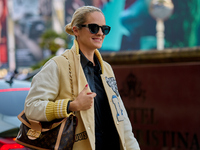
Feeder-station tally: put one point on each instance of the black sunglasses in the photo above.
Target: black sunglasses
(94, 28)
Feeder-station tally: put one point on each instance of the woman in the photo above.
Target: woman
(102, 120)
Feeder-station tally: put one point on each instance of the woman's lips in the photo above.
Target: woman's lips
(97, 39)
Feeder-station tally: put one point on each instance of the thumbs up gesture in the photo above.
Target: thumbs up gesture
(83, 101)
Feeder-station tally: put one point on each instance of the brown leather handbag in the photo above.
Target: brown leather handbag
(58, 134)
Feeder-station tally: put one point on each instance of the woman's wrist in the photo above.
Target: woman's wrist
(73, 106)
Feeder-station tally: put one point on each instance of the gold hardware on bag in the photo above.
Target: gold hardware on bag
(33, 134)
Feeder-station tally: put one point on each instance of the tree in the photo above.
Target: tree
(52, 41)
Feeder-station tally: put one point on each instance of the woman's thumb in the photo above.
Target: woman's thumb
(86, 87)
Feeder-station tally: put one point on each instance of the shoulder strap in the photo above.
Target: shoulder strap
(70, 77)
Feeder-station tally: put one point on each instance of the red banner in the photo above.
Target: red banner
(3, 32)
(163, 103)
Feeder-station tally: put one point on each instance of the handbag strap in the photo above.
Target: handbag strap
(70, 77)
(36, 125)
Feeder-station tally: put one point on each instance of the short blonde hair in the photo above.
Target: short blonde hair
(80, 17)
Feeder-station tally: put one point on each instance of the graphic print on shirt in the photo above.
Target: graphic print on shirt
(113, 84)
(115, 101)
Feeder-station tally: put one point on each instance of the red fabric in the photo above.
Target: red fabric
(3, 53)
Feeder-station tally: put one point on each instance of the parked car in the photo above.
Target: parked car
(12, 97)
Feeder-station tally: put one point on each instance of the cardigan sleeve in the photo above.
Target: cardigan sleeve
(130, 140)
(41, 103)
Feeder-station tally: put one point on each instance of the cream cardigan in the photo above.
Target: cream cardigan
(51, 91)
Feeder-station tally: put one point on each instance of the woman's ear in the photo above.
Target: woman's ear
(75, 30)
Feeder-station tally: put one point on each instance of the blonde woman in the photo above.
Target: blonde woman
(103, 123)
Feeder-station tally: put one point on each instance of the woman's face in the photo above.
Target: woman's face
(87, 40)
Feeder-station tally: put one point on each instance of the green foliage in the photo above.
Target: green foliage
(50, 40)
(41, 63)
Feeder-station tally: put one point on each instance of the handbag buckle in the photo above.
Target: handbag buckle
(33, 134)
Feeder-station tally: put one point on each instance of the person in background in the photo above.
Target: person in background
(103, 123)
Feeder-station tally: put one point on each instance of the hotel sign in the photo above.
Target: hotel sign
(163, 104)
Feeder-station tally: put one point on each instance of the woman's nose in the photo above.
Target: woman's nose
(100, 31)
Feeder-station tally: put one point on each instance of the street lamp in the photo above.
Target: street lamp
(160, 10)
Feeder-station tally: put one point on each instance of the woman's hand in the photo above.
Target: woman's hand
(84, 100)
